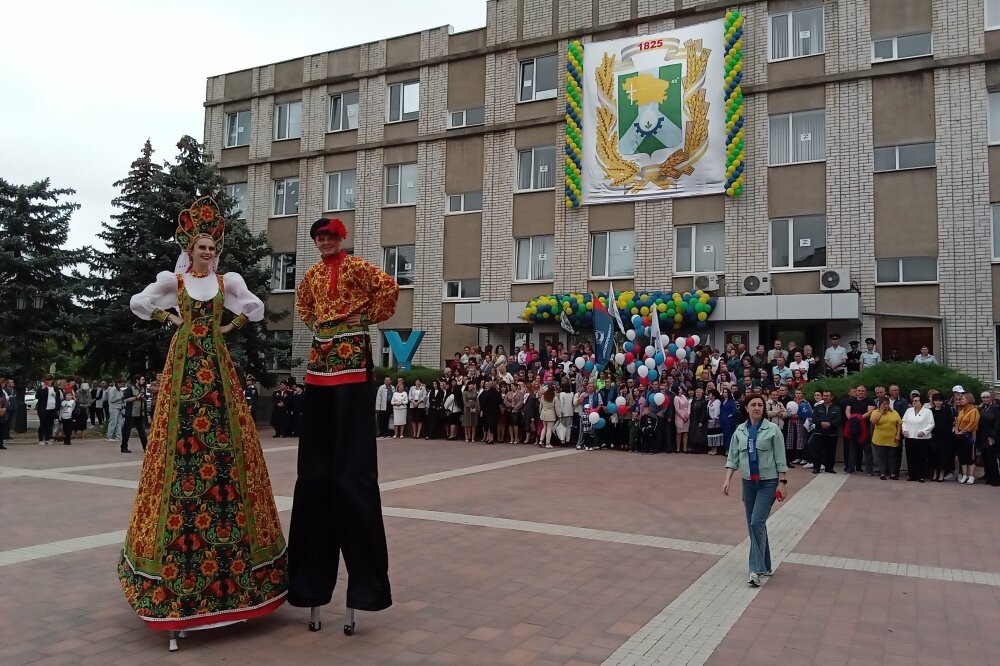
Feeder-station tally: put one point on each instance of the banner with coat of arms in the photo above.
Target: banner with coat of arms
(654, 115)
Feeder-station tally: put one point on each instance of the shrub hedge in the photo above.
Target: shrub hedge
(426, 375)
(907, 375)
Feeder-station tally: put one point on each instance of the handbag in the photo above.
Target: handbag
(562, 432)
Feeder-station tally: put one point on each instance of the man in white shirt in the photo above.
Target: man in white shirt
(800, 364)
(870, 358)
(925, 356)
(383, 408)
(49, 396)
(835, 357)
(776, 351)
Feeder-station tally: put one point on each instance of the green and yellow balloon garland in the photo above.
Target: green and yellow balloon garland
(675, 310)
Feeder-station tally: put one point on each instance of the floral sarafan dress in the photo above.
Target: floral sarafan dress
(204, 544)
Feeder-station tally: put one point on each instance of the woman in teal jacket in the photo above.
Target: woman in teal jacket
(758, 451)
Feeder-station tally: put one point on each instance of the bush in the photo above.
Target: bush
(426, 375)
(908, 376)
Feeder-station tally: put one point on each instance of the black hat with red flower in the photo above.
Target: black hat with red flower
(325, 225)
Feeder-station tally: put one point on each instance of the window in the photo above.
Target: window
(340, 188)
(906, 270)
(462, 290)
(404, 102)
(797, 137)
(238, 129)
(993, 119)
(282, 272)
(612, 253)
(465, 202)
(797, 34)
(281, 355)
(898, 158)
(798, 242)
(286, 197)
(238, 193)
(467, 117)
(700, 248)
(399, 264)
(533, 258)
(536, 168)
(900, 48)
(996, 232)
(343, 112)
(992, 23)
(387, 358)
(288, 121)
(401, 184)
(538, 78)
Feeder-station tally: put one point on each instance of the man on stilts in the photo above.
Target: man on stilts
(337, 508)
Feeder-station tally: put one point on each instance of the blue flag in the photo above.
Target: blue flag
(604, 334)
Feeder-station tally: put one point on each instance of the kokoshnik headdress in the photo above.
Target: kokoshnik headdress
(201, 219)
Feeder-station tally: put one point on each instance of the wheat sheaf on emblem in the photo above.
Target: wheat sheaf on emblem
(628, 174)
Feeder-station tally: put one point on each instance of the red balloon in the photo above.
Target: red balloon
(645, 321)
(643, 381)
(629, 357)
(690, 343)
(622, 410)
(670, 361)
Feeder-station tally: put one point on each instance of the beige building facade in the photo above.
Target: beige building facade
(873, 162)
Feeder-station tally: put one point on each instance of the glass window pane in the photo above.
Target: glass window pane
(231, 127)
(885, 159)
(524, 170)
(458, 119)
(408, 183)
(291, 196)
(996, 231)
(281, 122)
(522, 258)
(912, 46)
(545, 74)
(710, 253)
(809, 241)
(451, 289)
(809, 136)
(994, 116)
(336, 112)
(916, 155)
(476, 116)
(992, 21)
(598, 254)
(779, 151)
(887, 270)
(779, 244)
(392, 175)
(395, 100)
(621, 253)
(883, 50)
(527, 80)
(545, 162)
(473, 201)
(347, 189)
(411, 101)
(920, 269)
(238, 191)
(542, 249)
(405, 265)
(351, 110)
(455, 203)
(389, 261)
(470, 288)
(288, 279)
(684, 261)
(279, 198)
(807, 32)
(295, 120)
(779, 37)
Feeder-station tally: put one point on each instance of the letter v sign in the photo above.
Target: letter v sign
(403, 352)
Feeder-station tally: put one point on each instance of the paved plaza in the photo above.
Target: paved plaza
(518, 555)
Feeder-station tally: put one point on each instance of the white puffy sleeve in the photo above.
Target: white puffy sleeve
(160, 295)
(240, 300)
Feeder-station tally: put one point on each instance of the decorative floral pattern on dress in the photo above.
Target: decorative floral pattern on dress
(205, 541)
(339, 357)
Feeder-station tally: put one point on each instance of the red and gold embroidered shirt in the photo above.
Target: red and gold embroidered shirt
(341, 286)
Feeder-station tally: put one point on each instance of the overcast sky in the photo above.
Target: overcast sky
(84, 84)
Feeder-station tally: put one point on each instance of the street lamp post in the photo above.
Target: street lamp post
(25, 303)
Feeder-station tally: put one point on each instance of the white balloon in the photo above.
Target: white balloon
(650, 363)
(697, 339)
(630, 334)
(680, 342)
(664, 339)
(620, 400)
(792, 407)
(620, 358)
(593, 417)
(650, 350)
(631, 368)
(659, 399)
(681, 353)
(643, 371)
(580, 362)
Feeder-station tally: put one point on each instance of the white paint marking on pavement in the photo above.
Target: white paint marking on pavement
(475, 469)
(690, 628)
(897, 569)
(559, 530)
(64, 547)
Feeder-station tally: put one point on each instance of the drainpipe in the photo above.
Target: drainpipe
(937, 318)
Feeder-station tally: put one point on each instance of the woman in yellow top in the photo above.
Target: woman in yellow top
(885, 437)
(966, 425)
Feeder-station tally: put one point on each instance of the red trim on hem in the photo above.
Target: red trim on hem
(358, 377)
(181, 624)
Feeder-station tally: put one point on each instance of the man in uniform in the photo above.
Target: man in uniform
(337, 508)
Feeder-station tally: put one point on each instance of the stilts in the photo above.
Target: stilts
(314, 622)
(174, 635)
(349, 622)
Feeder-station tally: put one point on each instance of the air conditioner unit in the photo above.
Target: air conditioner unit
(835, 279)
(706, 281)
(756, 283)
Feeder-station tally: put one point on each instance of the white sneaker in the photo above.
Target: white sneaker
(969, 480)
(807, 466)
(754, 580)
(41, 443)
(822, 468)
(962, 478)
(950, 477)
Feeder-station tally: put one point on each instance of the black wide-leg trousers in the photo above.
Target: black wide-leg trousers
(337, 507)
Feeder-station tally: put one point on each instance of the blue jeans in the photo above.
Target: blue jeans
(758, 496)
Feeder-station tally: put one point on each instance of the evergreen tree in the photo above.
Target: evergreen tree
(38, 271)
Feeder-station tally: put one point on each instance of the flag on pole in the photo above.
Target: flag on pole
(654, 332)
(613, 307)
(566, 324)
(604, 333)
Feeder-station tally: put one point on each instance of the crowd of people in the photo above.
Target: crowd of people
(543, 397)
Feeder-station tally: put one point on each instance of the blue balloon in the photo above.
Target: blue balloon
(628, 346)
(658, 357)
(702, 324)
(588, 366)
(600, 424)
(653, 375)
(672, 348)
(636, 321)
